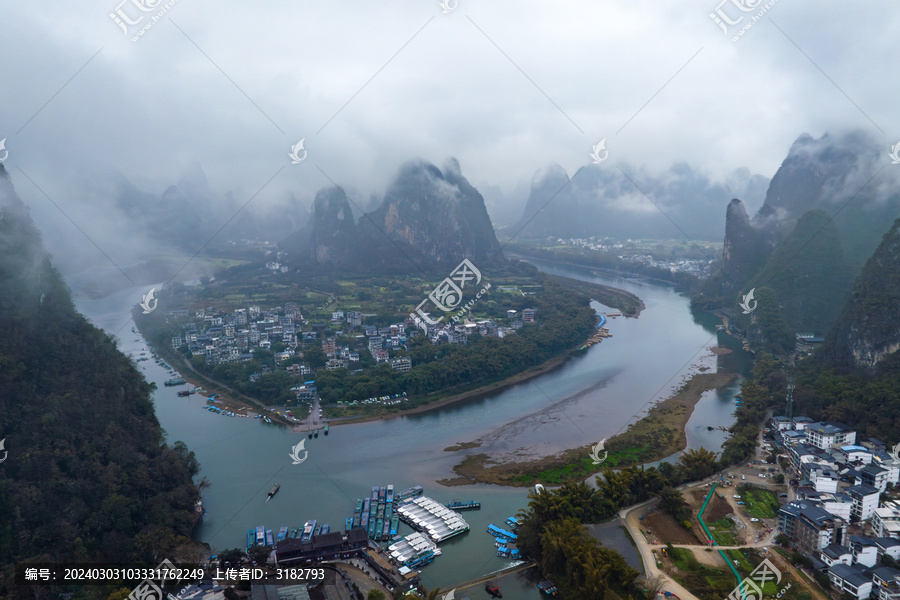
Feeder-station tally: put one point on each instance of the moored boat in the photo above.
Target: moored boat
(308, 530)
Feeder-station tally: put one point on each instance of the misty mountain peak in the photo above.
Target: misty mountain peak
(426, 218)
(549, 175)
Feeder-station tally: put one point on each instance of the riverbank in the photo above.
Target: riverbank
(626, 302)
(659, 434)
(476, 394)
(228, 398)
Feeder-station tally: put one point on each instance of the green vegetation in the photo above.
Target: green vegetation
(759, 503)
(553, 535)
(88, 476)
(683, 558)
(809, 276)
(438, 371)
(770, 330)
(672, 503)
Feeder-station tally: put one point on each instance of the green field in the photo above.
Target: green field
(760, 503)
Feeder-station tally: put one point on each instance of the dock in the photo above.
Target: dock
(433, 518)
(468, 505)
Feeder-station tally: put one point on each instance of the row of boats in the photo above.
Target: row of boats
(376, 513)
(266, 537)
(505, 540)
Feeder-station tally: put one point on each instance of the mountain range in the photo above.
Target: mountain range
(605, 201)
(428, 218)
(826, 209)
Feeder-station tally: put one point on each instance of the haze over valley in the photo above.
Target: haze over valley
(446, 300)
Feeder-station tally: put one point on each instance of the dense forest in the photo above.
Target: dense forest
(88, 476)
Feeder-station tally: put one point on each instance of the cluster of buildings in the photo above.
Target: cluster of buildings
(839, 482)
(231, 337)
(697, 267)
(457, 333)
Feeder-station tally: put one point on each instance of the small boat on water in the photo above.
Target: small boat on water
(325, 529)
(273, 491)
(326, 429)
(270, 539)
(308, 530)
(260, 536)
(173, 382)
(184, 393)
(282, 533)
(493, 590)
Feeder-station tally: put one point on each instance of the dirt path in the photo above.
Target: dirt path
(629, 517)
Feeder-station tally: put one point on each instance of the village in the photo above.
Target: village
(816, 502)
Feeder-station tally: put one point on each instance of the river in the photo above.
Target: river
(591, 397)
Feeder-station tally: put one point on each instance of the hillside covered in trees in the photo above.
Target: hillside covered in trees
(88, 476)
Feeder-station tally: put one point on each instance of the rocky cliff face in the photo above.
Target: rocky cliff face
(867, 333)
(825, 209)
(745, 251)
(428, 218)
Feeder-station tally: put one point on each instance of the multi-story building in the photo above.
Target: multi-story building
(811, 527)
(875, 476)
(401, 364)
(886, 520)
(825, 435)
(865, 501)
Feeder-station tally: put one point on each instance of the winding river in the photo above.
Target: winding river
(590, 397)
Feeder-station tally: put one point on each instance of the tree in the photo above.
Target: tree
(672, 503)
(375, 594)
(697, 464)
(314, 357)
(231, 558)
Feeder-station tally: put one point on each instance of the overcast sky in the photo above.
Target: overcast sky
(506, 87)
